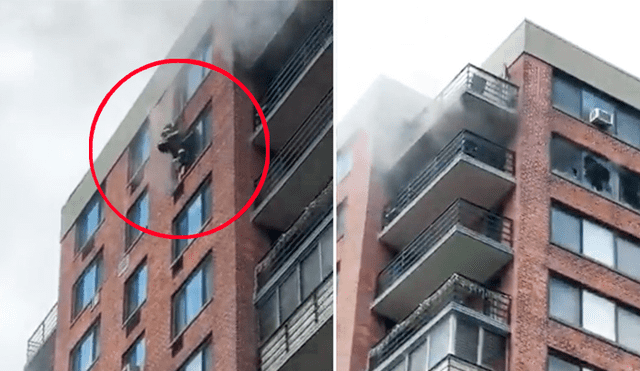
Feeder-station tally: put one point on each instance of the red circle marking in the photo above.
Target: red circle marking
(264, 127)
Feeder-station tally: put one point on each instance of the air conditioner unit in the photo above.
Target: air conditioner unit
(95, 300)
(601, 118)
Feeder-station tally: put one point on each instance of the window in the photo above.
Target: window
(595, 241)
(86, 287)
(418, 357)
(344, 163)
(192, 296)
(135, 354)
(199, 361)
(340, 215)
(139, 150)
(195, 74)
(439, 342)
(578, 99)
(630, 188)
(192, 218)
(139, 214)
(135, 290)
(85, 353)
(557, 363)
(88, 221)
(601, 316)
(198, 136)
(297, 284)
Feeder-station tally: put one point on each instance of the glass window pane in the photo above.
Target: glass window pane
(628, 257)
(566, 96)
(340, 222)
(194, 76)
(194, 215)
(268, 314)
(142, 285)
(196, 363)
(598, 315)
(566, 158)
(630, 188)
(89, 285)
(194, 298)
(310, 270)
(564, 302)
(628, 126)
(179, 313)
(326, 250)
(343, 164)
(597, 174)
(439, 342)
(93, 217)
(565, 230)
(629, 329)
(557, 364)
(144, 211)
(466, 341)
(289, 295)
(398, 366)
(597, 243)
(418, 358)
(494, 351)
(591, 100)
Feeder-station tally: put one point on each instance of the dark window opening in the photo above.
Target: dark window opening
(630, 188)
(597, 174)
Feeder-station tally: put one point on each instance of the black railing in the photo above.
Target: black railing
(302, 139)
(457, 289)
(318, 39)
(479, 82)
(42, 333)
(461, 213)
(465, 143)
(300, 326)
(282, 251)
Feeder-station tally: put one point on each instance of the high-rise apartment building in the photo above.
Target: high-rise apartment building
(502, 230)
(258, 294)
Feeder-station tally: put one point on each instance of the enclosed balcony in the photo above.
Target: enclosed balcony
(469, 167)
(462, 326)
(300, 170)
(42, 344)
(301, 83)
(465, 239)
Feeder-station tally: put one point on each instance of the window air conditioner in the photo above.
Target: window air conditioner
(601, 118)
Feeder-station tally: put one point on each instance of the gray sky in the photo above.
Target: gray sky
(59, 58)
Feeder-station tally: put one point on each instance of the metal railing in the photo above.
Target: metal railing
(484, 84)
(296, 330)
(318, 40)
(42, 332)
(283, 249)
(457, 289)
(302, 139)
(461, 213)
(465, 143)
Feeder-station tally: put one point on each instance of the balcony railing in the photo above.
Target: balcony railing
(461, 213)
(465, 143)
(488, 86)
(303, 323)
(42, 333)
(457, 289)
(313, 126)
(291, 240)
(318, 39)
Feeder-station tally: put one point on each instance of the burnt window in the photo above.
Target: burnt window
(630, 188)
(566, 158)
(597, 173)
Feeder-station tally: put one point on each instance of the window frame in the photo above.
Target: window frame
(93, 330)
(346, 155)
(132, 235)
(132, 280)
(204, 351)
(126, 357)
(204, 118)
(203, 52)
(81, 224)
(206, 268)
(142, 136)
(97, 261)
(205, 194)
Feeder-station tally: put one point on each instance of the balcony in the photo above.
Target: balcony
(294, 92)
(465, 239)
(41, 345)
(461, 326)
(305, 340)
(300, 170)
(469, 167)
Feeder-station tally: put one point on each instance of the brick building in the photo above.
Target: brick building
(256, 295)
(506, 233)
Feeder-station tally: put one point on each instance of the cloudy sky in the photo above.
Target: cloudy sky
(59, 58)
